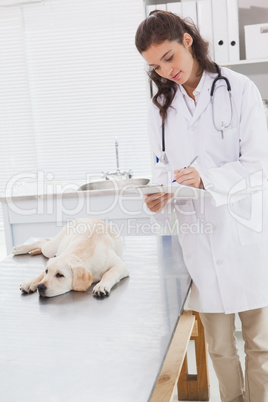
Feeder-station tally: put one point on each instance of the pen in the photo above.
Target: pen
(190, 164)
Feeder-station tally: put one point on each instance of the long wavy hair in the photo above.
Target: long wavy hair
(158, 27)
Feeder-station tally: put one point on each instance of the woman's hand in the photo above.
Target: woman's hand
(156, 202)
(188, 177)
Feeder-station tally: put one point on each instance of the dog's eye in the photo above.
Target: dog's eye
(46, 271)
(58, 275)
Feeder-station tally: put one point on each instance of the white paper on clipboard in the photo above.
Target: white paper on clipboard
(178, 190)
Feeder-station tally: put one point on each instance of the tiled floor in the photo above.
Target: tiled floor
(214, 392)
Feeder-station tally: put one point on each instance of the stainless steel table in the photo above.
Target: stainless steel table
(75, 347)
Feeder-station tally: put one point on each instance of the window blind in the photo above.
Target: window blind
(17, 143)
(71, 80)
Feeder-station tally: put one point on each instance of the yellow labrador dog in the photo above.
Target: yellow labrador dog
(83, 252)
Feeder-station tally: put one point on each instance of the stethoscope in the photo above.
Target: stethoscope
(163, 158)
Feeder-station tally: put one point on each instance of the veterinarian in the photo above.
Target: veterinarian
(211, 119)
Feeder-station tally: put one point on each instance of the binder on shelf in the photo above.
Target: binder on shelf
(256, 41)
(175, 8)
(220, 35)
(204, 23)
(188, 9)
(233, 30)
(152, 7)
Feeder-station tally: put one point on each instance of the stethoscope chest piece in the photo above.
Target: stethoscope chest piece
(163, 158)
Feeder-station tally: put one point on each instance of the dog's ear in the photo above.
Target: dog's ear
(82, 278)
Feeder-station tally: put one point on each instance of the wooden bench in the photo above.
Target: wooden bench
(191, 387)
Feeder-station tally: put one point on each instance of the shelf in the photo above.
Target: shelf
(245, 62)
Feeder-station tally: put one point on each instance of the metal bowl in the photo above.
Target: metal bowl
(113, 184)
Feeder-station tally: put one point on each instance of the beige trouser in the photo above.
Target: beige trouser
(219, 332)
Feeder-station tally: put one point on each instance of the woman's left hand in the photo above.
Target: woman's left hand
(188, 177)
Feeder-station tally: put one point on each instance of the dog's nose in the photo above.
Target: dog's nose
(41, 288)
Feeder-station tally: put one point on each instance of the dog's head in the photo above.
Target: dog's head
(62, 275)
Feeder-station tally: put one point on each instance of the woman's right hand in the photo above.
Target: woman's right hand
(156, 202)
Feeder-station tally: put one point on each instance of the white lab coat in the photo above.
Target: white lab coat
(224, 239)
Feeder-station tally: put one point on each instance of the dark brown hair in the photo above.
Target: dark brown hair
(158, 27)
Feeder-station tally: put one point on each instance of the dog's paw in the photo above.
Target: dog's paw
(28, 287)
(101, 290)
(21, 249)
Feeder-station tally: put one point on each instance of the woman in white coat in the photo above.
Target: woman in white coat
(223, 233)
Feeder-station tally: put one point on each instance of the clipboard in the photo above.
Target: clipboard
(178, 190)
